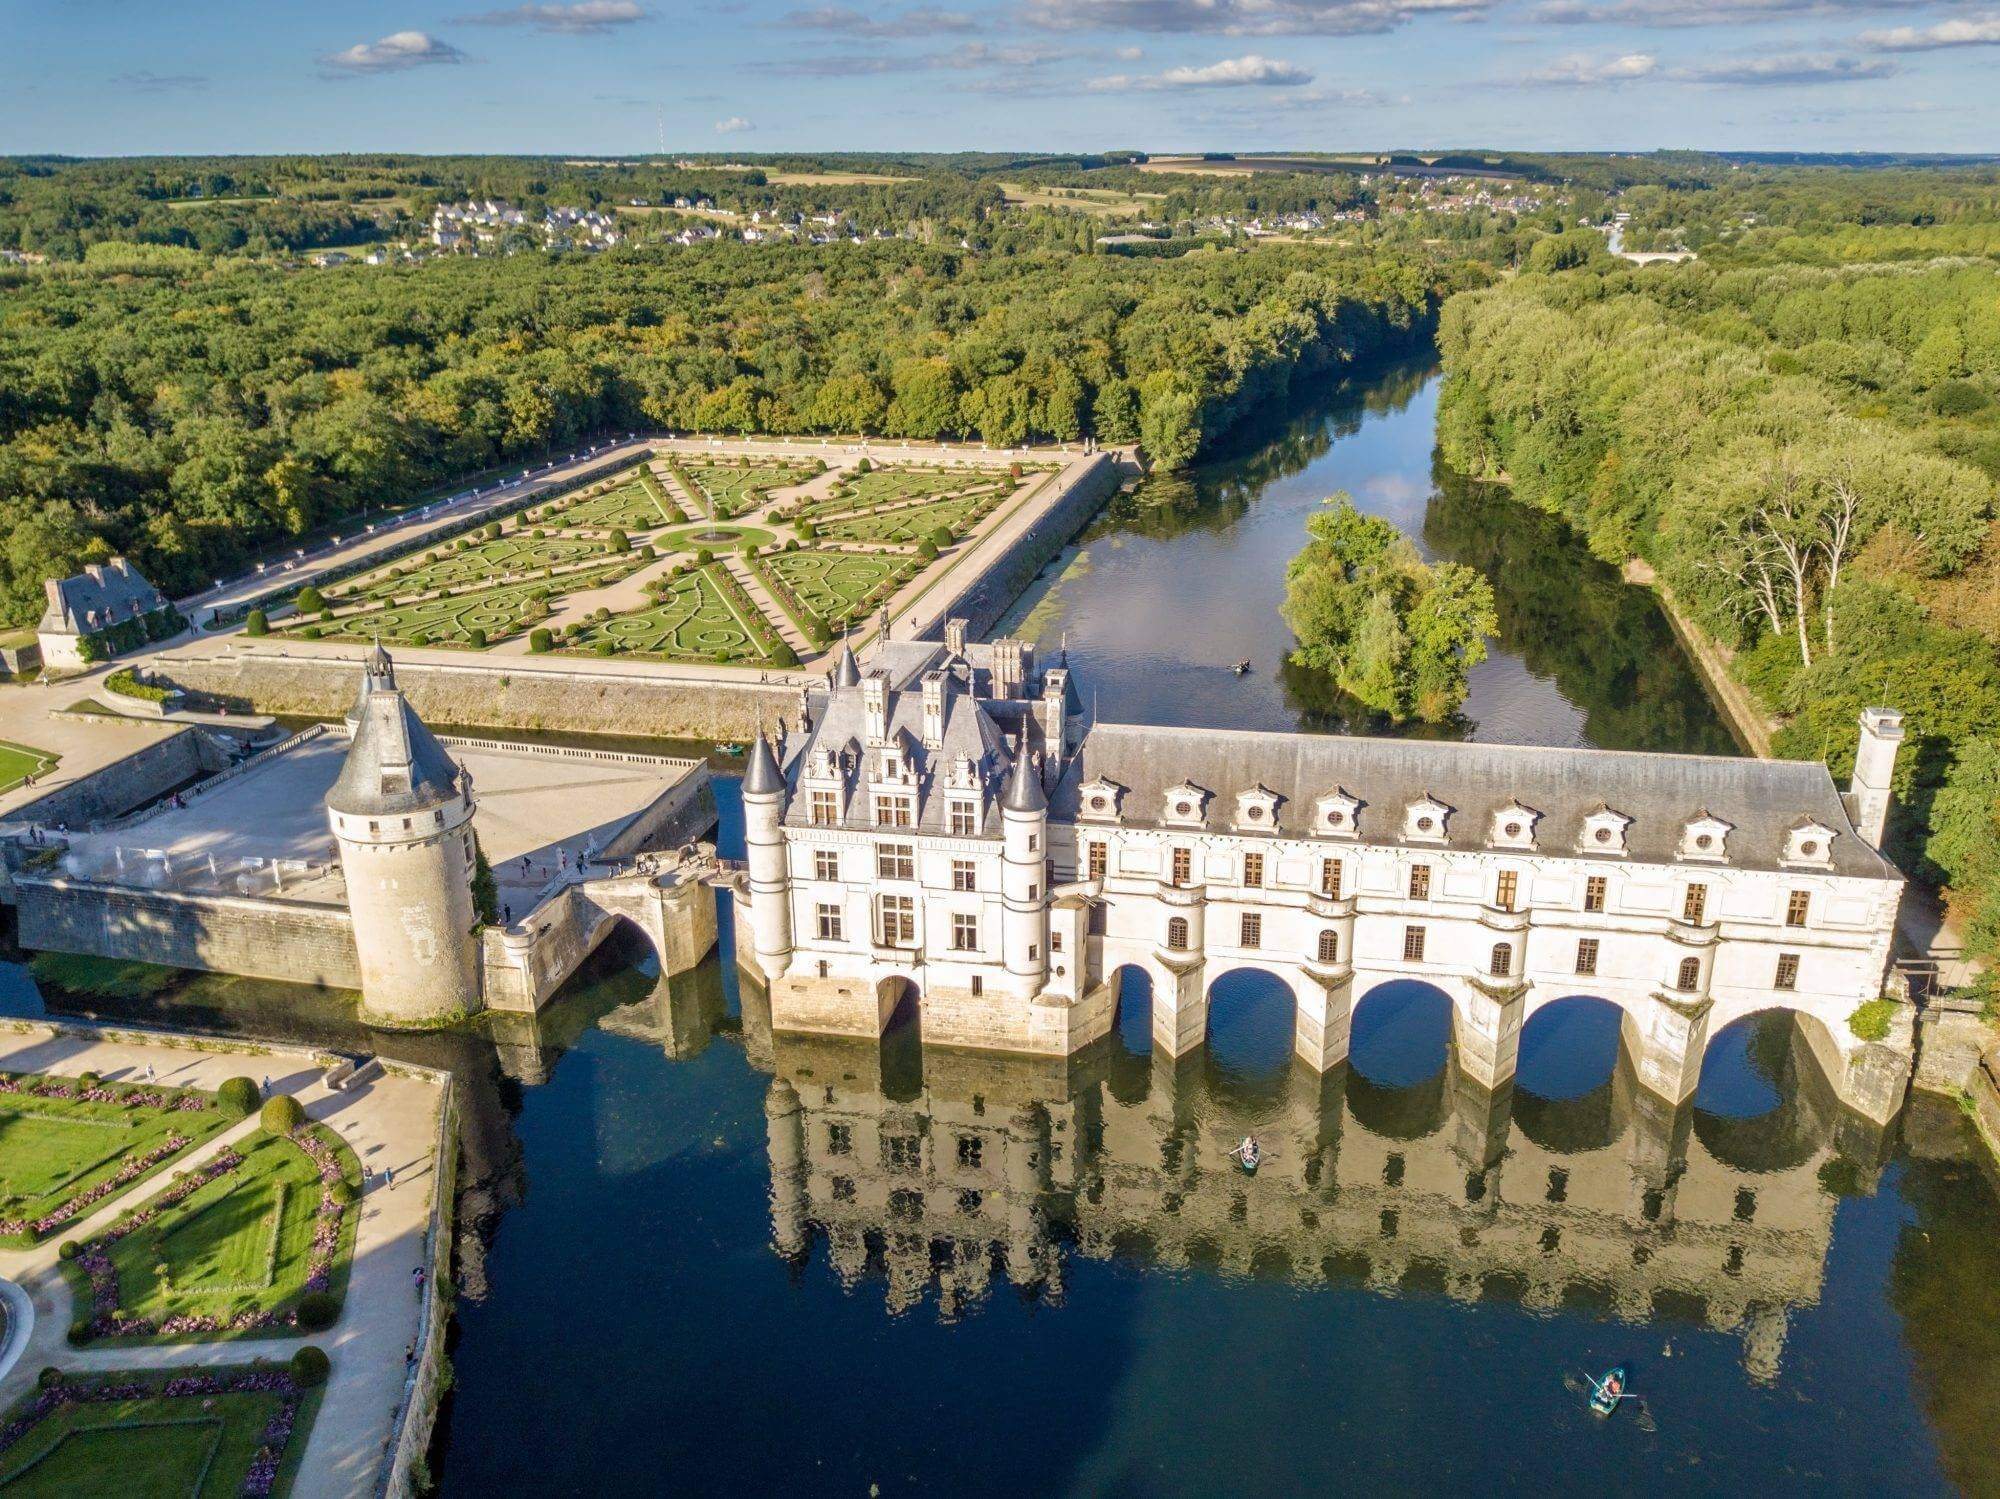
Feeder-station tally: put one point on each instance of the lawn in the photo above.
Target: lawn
(637, 504)
(692, 620)
(731, 488)
(227, 1251)
(160, 1434)
(18, 762)
(908, 523)
(66, 1151)
(833, 586)
(500, 612)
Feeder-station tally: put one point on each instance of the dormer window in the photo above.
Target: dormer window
(1186, 805)
(1604, 832)
(1811, 844)
(1257, 810)
(1514, 826)
(1337, 815)
(1098, 800)
(1706, 838)
(1424, 820)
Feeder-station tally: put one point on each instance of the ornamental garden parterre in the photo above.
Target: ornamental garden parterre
(735, 561)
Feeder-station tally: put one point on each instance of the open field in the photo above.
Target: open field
(1108, 202)
(831, 179)
(64, 1154)
(160, 1434)
(19, 761)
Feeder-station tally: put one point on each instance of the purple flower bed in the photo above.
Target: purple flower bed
(133, 1098)
(116, 1182)
(326, 1223)
(262, 1475)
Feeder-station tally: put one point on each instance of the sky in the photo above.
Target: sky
(125, 77)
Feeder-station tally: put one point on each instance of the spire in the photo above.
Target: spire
(846, 671)
(1024, 787)
(761, 777)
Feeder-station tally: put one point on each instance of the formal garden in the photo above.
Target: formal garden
(825, 590)
(255, 1242)
(700, 614)
(910, 523)
(875, 486)
(205, 1433)
(482, 563)
(729, 487)
(68, 1146)
(634, 502)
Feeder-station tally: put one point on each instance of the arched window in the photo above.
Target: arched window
(1329, 946)
(1502, 963)
(1177, 934)
(1690, 975)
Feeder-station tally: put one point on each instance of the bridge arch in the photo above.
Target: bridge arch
(1252, 1021)
(1399, 1075)
(1764, 1101)
(1566, 1079)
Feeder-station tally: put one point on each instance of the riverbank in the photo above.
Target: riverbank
(1753, 727)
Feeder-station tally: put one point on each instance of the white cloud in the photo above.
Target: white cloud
(1981, 31)
(1577, 70)
(584, 18)
(1242, 17)
(1787, 71)
(1703, 12)
(923, 21)
(1249, 71)
(734, 125)
(393, 53)
(1130, 54)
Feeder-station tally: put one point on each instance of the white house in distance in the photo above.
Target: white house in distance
(949, 822)
(100, 598)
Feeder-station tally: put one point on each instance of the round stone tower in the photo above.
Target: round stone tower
(1024, 823)
(401, 812)
(764, 840)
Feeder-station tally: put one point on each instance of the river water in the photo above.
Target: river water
(698, 1258)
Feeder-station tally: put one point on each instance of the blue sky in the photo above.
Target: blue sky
(100, 77)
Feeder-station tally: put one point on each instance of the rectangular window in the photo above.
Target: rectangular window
(964, 875)
(978, 986)
(1694, 905)
(1586, 956)
(1506, 889)
(1055, 941)
(894, 810)
(1593, 893)
(1796, 907)
(839, 1139)
(895, 861)
(1253, 870)
(1034, 842)
(1788, 970)
(899, 921)
(1094, 860)
(964, 819)
(1413, 944)
(826, 864)
(1034, 952)
(964, 933)
(1253, 929)
(825, 808)
(829, 923)
(971, 1150)
(1183, 866)
(902, 1152)
(1420, 882)
(1329, 878)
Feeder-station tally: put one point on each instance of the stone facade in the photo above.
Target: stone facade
(949, 823)
(101, 597)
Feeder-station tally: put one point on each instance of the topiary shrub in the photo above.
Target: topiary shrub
(310, 1366)
(326, 616)
(342, 1192)
(312, 632)
(310, 601)
(491, 530)
(318, 1310)
(807, 530)
(704, 557)
(940, 537)
(282, 1114)
(607, 647)
(50, 1377)
(67, 1250)
(256, 622)
(88, 1079)
(539, 640)
(783, 655)
(864, 466)
(927, 549)
(620, 542)
(238, 1096)
(477, 637)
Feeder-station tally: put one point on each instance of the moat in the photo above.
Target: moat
(693, 1255)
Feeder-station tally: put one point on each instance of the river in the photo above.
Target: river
(702, 1259)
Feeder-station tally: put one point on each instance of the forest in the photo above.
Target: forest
(1805, 450)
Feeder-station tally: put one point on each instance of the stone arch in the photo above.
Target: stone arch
(1248, 999)
(1132, 1020)
(1765, 1101)
(1400, 1074)
(1567, 1075)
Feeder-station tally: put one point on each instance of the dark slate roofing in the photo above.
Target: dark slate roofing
(846, 672)
(98, 597)
(1024, 788)
(1661, 793)
(394, 765)
(761, 775)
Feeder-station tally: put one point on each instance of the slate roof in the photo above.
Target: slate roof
(100, 596)
(1762, 799)
(395, 766)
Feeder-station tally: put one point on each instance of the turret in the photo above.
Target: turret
(764, 841)
(1869, 795)
(1024, 819)
(401, 813)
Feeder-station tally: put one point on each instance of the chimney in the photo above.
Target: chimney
(1868, 794)
(95, 570)
(1008, 675)
(1052, 706)
(875, 707)
(954, 636)
(933, 709)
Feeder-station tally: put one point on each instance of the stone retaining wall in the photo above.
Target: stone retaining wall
(496, 695)
(289, 941)
(406, 1475)
(145, 775)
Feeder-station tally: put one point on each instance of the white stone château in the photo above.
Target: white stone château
(948, 823)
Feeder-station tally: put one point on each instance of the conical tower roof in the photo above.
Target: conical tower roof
(395, 765)
(846, 670)
(1024, 787)
(762, 776)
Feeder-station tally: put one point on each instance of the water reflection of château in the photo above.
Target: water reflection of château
(940, 1173)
